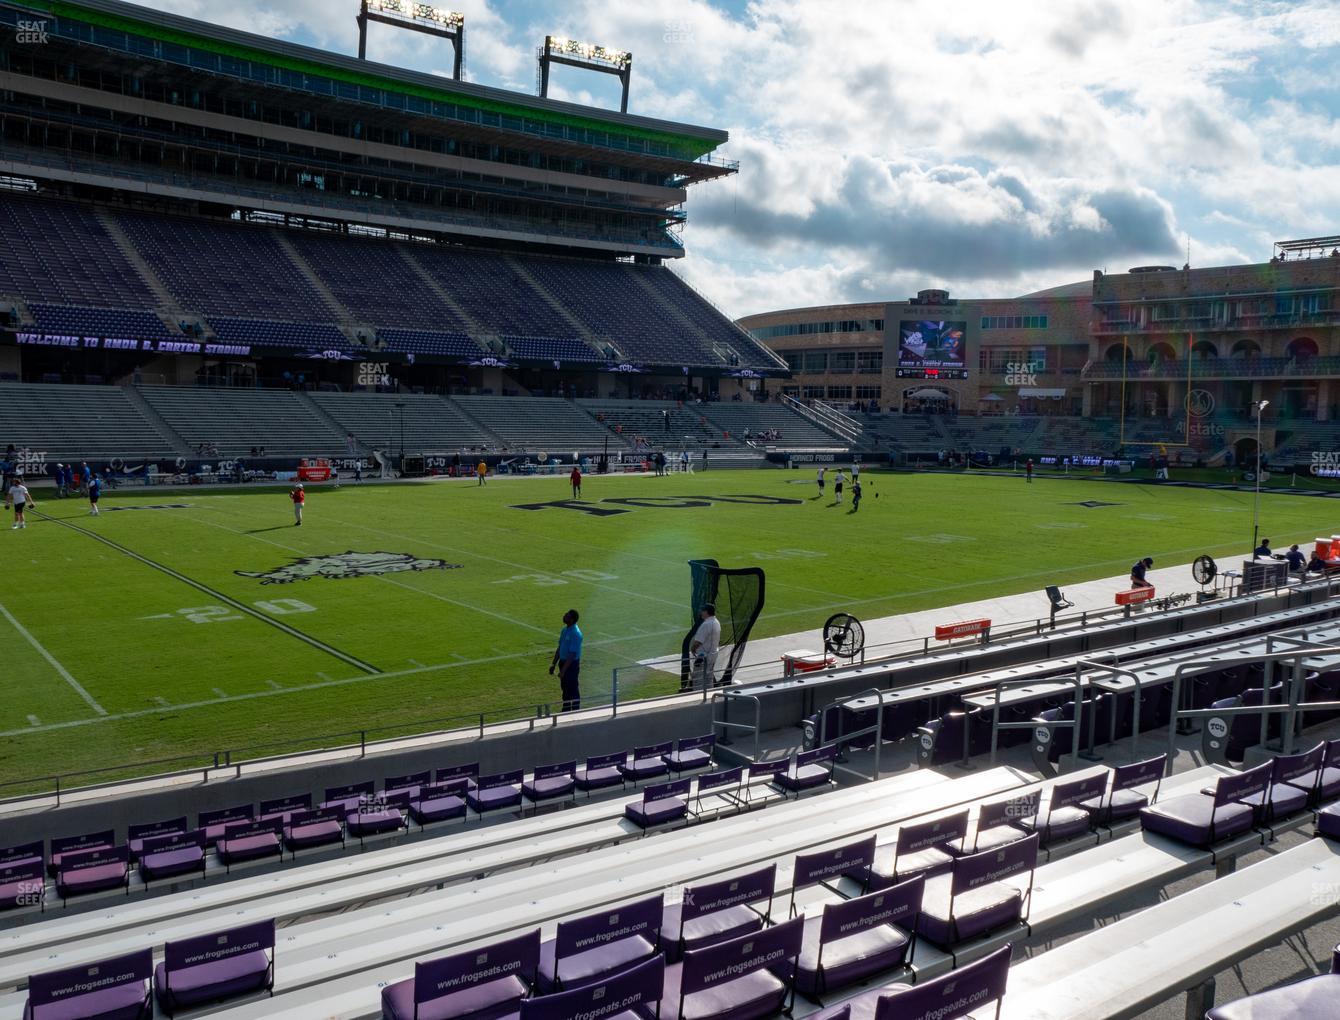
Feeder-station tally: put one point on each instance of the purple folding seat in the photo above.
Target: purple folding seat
(411, 781)
(601, 772)
(646, 763)
(766, 774)
(660, 804)
(173, 855)
(852, 940)
(1313, 998)
(1328, 822)
(349, 796)
(926, 848)
(307, 830)
(468, 772)
(439, 802)
(33, 851)
(718, 911)
(483, 983)
(1293, 782)
(1122, 798)
(964, 990)
(747, 977)
(691, 753)
(1200, 819)
(589, 948)
(123, 990)
(975, 898)
(1002, 821)
(90, 871)
(63, 845)
(215, 822)
(249, 841)
(216, 967)
(378, 815)
(22, 884)
(631, 994)
(1328, 783)
(725, 784)
(139, 833)
(810, 770)
(1063, 818)
(824, 866)
(497, 792)
(284, 808)
(551, 782)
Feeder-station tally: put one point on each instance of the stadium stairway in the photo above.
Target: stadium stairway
(442, 294)
(179, 445)
(123, 244)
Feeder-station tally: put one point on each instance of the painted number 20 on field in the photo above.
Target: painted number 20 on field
(222, 614)
(550, 580)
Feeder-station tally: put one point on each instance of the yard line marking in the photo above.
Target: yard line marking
(64, 673)
(326, 676)
(463, 605)
(219, 692)
(34, 721)
(240, 606)
(274, 684)
(414, 662)
(163, 702)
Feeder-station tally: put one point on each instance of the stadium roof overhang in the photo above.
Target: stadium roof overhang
(688, 142)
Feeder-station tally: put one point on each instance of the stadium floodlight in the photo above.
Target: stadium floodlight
(425, 18)
(559, 49)
(1259, 405)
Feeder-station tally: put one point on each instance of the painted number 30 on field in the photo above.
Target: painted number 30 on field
(550, 580)
(222, 614)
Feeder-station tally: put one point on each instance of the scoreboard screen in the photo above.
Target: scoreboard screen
(931, 350)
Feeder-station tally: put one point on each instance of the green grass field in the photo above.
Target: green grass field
(132, 637)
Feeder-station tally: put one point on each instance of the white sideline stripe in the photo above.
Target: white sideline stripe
(64, 673)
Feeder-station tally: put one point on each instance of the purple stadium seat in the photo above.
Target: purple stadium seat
(307, 830)
(822, 866)
(691, 753)
(1063, 818)
(726, 784)
(601, 772)
(22, 884)
(249, 841)
(411, 782)
(1328, 822)
(179, 853)
(974, 898)
(349, 796)
(1328, 784)
(764, 773)
(22, 852)
(378, 815)
(1293, 783)
(551, 782)
(497, 792)
(588, 948)
(626, 995)
(646, 763)
(215, 967)
(964, 990)
(1002, 821)
(440, 802)
(123, 991)
(468, 772)
(1122, 799)
(1313, 998)
(139, 833)
(926, 848)
(660, 804)
(484, 983)
(749, 976)
(850, 941)
(284, 808)
(1202, 820)
(63, 845)
(810, 770)
(718, 911)
(90, 871)
(215, 822)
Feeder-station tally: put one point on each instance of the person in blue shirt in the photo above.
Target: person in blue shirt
(1138, 573)
(94, 491)
(568, 661)
(1263, 550)
(1297, 561)
(69, 479)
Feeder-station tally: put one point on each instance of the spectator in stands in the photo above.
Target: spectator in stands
(481, 471)
(576, 479)
(1297, 561)
(1138, 573)
(1262, 550)
(1316, 565)
(18, 497)
(299, 498)
(706, 639)
(568, 661)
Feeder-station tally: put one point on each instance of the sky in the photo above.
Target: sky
(983, 147)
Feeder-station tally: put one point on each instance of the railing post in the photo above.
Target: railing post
(362, 743)
(614, 693)
(58, 791)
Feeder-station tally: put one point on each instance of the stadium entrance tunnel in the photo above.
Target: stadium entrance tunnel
(626, 504)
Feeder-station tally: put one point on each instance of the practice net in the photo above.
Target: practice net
(738, 596)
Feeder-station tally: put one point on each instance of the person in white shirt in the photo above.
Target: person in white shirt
(820, 479)
(19, 498)
(706, 639)
(838, 481)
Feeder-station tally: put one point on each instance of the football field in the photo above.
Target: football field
(201, 622)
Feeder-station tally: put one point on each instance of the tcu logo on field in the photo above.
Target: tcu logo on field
(348, 564)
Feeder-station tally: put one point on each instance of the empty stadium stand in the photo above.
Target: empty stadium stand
(540, 423)
(235, 420)
(796, 433)
(72, 422)
(647, 418)
(431, 424)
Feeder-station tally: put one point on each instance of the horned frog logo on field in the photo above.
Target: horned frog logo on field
(348, 564)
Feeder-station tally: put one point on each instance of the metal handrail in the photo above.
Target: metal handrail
(846, 738)
(1031, 724)
(726, 697)
(1134, 677)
